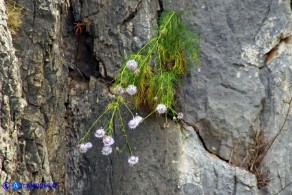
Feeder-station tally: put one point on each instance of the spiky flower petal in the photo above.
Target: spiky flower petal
(106, 150)
(161, 108)
(108, 141)
(118, 90)
(180, 115)
(135, 122)
(99, 133)
(131, 90)
(84, 147)
(133, 160)
(132, 65)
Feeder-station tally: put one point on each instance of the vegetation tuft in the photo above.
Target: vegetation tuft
(162, 61)
(150, 77)
(256, 152)
(14, 16)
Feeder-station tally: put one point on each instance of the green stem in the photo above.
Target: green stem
(89, 130)
(128, 108)
(124, 132)
(152, 48)
(166, 118)
(148, 43)
(110, 124)
(173, 111)
(148, 115)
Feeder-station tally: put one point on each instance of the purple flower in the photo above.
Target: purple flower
(118, 90)
(161, 108)
(131, 90)
(133, 160)
(132, 65)
(180, 115)
(121, 90)
(88, 145)
(135, 122)
(106, 150)
(99, 133)
(108, 141)
(84, 147)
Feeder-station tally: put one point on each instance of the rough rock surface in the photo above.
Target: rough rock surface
(224, 99)
(243, 86)
(118, 27)
(85, 164)
(203, 173)
(38, 77)
(172, 160)
(11, 103)
(237, 100)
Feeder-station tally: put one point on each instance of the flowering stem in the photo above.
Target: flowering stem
(166, 118)
(148, 43)
(148, 115)
(172, 110)
(124, 132)
(86, 136)
(128, 108)
(110, 123)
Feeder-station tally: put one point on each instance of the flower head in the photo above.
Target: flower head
(106, 150)
(132, 65)
(133, 160)
(131, 90)
(180, 115)
(88, 145)
(118, 90)
(135, 122)
(84, 147)
(161, 108)
(108, 141)
(99, 133)
(121, 90)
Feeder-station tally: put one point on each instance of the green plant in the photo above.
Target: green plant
(150, 76)
(13, 13)
(162, 61)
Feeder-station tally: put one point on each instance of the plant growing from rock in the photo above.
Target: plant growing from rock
(13, 13)
(149, 77)
(257, 151)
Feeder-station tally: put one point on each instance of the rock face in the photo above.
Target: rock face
(203, 173)
(11, 103)
(32, 98)
(244, 84)
(54, 81)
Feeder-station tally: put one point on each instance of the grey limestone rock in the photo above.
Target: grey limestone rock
(54, 82)
(32, 98)
(228, 97)
(203, 173)
(171, 160)
(244, 82)
(11, 102)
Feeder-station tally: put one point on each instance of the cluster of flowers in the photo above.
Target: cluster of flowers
(84, 147)
(131, 89)
(108, 141)
(135, 122)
